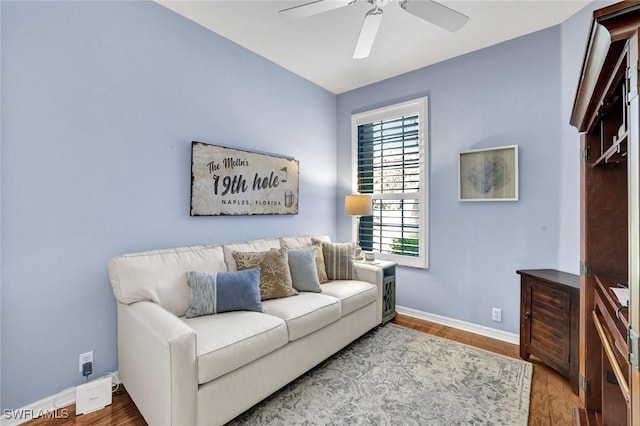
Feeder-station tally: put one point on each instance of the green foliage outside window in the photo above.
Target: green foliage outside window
(406, 246)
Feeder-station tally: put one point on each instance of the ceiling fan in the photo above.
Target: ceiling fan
(428, 10)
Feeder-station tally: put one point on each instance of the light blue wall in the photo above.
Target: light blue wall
(100, 104)
(574, 32)
(502, 95)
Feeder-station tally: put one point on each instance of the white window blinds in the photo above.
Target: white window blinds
(390, 165)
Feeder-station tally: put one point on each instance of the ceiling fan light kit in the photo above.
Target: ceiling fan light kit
(428, 10)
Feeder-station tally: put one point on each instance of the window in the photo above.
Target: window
(390, 163)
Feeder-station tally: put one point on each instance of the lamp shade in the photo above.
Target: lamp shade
(358, 205)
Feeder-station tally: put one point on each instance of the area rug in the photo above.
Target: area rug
(398, 376)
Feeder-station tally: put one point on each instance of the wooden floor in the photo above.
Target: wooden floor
(551, 396)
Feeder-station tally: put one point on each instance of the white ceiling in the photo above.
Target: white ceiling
(320, 48)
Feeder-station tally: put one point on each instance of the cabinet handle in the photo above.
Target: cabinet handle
(618, 312)
(610, 378)
(527, 315)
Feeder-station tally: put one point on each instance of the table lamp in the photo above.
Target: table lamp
(358, 205)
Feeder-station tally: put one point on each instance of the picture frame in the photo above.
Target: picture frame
(232, 182)
(488, 174)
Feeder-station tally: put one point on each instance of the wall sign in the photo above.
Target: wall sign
(227, 181)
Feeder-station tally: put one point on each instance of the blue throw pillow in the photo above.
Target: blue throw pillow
(304, 273)
(217, 292)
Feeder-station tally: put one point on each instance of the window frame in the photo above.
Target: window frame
(416, 106)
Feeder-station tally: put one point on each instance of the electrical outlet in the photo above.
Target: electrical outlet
(84, 358)
(496, 315)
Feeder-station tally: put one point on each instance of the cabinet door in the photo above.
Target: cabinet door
(389, 299)
(549, 329)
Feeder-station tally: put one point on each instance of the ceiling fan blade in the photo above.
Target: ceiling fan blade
(435, 13)
(313, 8)
(370, 27)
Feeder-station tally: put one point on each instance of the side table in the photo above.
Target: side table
(388, 288)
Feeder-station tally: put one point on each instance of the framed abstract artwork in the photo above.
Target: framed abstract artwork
(489, 174)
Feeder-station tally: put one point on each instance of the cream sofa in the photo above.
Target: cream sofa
(209, 369)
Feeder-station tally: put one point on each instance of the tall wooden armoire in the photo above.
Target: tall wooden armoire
(606, 112)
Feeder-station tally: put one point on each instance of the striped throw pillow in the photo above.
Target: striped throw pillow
(339, 260)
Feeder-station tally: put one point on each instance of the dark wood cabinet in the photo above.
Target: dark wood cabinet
(611, 323)
(549, 320)
(606, 112)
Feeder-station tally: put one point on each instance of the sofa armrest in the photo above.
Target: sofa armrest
(372, 274)
(157, 363)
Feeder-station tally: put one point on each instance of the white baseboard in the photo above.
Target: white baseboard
(493, 333)
(51, 407)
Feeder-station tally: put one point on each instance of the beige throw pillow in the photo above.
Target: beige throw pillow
(275, 277)
(320, 266)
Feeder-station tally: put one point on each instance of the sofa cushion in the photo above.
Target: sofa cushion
(228, 341)
(255, 245)
(304, 313)
(353, 295)
(275, 276)
(304, 275)
(160, 276)
(218, 292)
